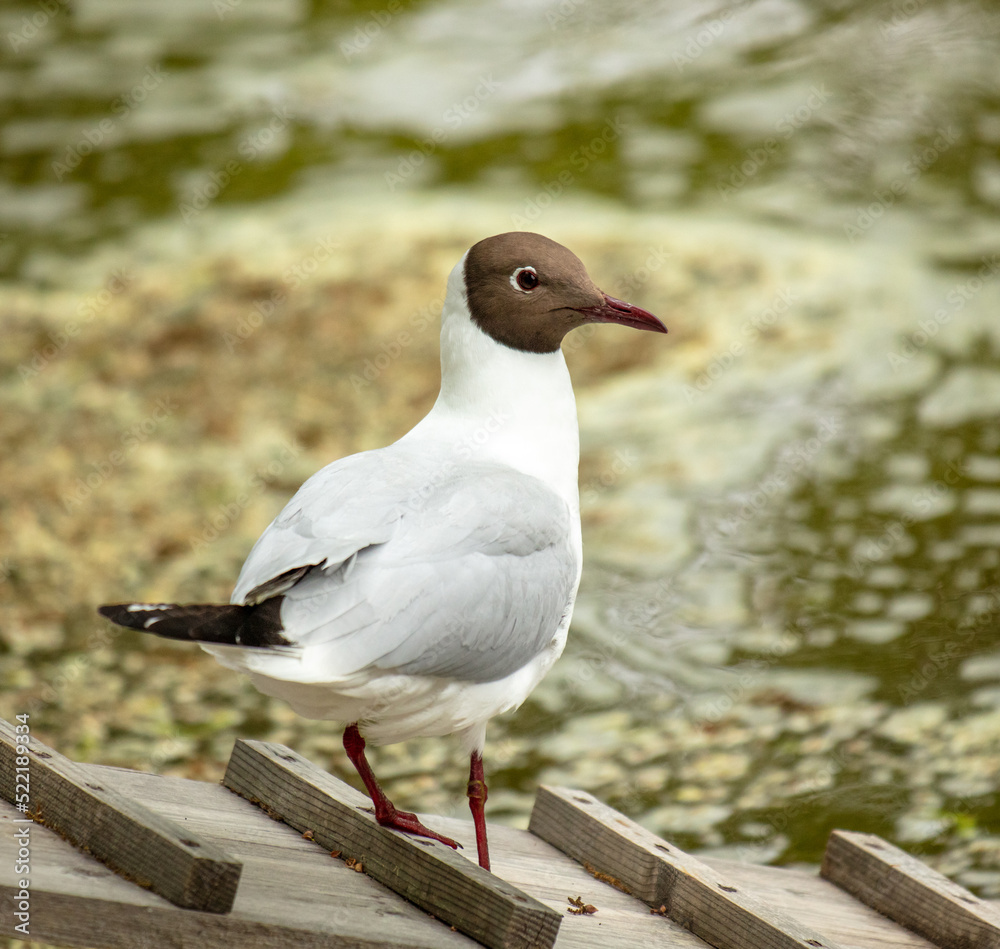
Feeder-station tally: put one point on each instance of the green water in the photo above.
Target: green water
(112, 118)
(872, 587)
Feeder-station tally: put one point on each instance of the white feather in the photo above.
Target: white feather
(447, 564)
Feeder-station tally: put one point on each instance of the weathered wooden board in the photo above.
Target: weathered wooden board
(915, 896)
(528, 863)
(692, 893)
(425, 872)
(292, 894)
(813, 901)
(140, 845)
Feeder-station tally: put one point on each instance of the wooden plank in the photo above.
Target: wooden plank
(136, 843)
(292, 894)
(425, 872)
(904, 889)
(520, 858)
(804, 895)
(693, 894)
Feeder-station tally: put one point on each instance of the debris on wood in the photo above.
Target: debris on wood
(606, 878)
(579, 908)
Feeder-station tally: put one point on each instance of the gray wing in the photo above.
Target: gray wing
(343, 508)
(420, 567)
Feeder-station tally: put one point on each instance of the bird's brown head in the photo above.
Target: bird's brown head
(527, 292)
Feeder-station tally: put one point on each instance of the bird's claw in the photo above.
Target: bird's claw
(408, 822)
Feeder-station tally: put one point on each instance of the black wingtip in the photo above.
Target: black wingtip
(120, 614)
(228, 624)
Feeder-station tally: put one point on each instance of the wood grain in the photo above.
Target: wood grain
(904, 889)
(284, 859)
(804, 895)
(622, 852)
(294, 895)
(143, 847)
(425, 872)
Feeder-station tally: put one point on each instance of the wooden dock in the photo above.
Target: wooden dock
(282, 854)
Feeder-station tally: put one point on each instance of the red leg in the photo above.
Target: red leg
(477, 804)
(385, 812)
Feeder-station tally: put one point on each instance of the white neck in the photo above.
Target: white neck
(501, 404)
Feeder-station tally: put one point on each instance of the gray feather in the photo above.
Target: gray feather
(418, 566)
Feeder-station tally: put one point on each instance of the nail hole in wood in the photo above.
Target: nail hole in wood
(190, 843)
(664, 848)
(813, 942)
(582, 800)
(728, 889)
(95, 787)
(968, 899)
(42, 754)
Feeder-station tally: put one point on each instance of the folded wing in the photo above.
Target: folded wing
(397, 562)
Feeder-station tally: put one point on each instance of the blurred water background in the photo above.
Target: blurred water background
(224, 231)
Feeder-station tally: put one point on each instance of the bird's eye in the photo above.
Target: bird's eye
(524, 279)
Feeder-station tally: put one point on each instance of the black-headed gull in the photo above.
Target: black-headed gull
(422, 588)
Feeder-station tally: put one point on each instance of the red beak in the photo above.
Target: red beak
(618, 311)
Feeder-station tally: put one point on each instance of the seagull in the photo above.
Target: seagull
(420, 589)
